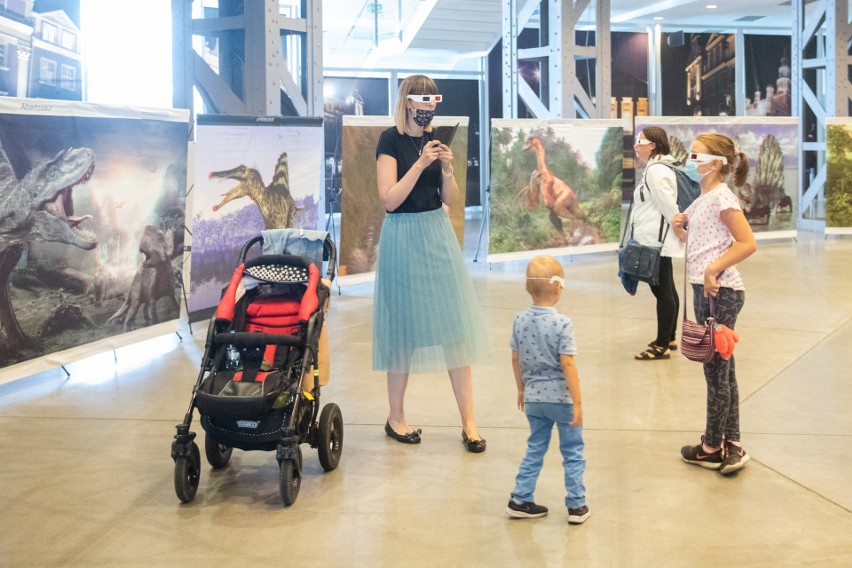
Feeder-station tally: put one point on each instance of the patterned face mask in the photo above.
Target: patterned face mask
(423, 117)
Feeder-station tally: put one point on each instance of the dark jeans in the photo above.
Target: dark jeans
(723, 394)
(668, 304)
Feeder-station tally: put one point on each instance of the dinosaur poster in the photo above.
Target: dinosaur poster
(251, 174)
(770, 196)
(360, 209)
(838, 182)
(554, 184)
(91, 227)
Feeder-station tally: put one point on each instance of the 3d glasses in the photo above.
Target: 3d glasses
(642, 141)
(425, 98)
(704, 158)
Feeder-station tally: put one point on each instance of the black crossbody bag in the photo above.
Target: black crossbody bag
(641, 262)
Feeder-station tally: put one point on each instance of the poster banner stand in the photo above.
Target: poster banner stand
(68, 356)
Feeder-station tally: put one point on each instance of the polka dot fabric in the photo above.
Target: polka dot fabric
(278, 273)
(709, 237)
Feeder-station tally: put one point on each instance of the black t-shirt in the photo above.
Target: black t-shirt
(405, 150)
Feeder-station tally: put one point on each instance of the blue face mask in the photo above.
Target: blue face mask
(691, 171)
(423, 117)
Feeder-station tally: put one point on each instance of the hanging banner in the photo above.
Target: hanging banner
(768, 88)
(251, 174)
(555, 187)
(361, 212)
(698, 74)
(769, 197)
(91, 228)
(838, 180)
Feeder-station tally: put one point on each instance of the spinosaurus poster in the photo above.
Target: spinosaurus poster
(91, 228)
(769, 197)
(554, 184)
(251, 174)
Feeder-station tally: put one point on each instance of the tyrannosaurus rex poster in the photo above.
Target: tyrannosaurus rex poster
(91, 226)
(251, 174)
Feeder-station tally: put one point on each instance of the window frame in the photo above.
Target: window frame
(46, 63)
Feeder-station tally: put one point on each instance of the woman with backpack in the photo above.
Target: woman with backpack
(654, 203)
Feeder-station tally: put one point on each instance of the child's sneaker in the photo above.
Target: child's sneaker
(526, 510)
(579, 515)
(735, 458)
(698, 456)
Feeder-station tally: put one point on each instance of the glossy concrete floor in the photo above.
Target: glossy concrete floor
(86, 476)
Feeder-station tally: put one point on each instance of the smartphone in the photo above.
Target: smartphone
(445, 133)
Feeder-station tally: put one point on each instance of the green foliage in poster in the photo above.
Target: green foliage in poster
(838, 190)
(520, 218)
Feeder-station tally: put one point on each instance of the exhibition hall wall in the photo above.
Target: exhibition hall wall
(112, 217)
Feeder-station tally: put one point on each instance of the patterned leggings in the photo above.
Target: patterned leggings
(723, 395)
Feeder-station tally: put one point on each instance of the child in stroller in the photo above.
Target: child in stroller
(261, 372)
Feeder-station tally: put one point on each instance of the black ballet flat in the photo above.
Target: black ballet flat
(410, 438)
(473, 446)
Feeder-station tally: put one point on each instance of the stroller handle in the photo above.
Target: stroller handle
(256, 339)
(329, 253)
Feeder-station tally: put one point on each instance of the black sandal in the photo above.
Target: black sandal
(653, 353)
(673, 345)
(412, 437)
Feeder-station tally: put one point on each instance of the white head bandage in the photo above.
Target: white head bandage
(558, 279)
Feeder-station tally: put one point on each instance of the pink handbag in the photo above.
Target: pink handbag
(698, 341)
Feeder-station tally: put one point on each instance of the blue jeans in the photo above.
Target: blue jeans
(542, 416)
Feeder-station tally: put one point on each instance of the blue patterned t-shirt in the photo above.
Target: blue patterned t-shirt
(540, 335)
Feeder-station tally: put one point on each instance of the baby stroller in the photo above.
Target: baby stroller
(260, 378)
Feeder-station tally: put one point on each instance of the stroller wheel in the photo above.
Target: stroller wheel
(330, 442)
(290, 479)
(218, 455)
(187, 474)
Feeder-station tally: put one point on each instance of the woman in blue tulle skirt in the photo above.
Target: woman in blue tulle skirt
(425, 317)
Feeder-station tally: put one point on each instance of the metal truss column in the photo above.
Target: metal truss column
(739, 72)
(511, 30)
(262, 55)
(561, 93)
(821, 88)
(573, 97)
(655, 73)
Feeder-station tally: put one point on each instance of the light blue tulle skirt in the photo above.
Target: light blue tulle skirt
(426, 317)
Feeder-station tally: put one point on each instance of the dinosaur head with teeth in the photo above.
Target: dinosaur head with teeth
(49, 186)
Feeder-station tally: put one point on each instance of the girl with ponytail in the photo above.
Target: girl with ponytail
(719, 239)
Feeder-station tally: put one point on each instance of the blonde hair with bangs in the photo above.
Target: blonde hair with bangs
(413, 85)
